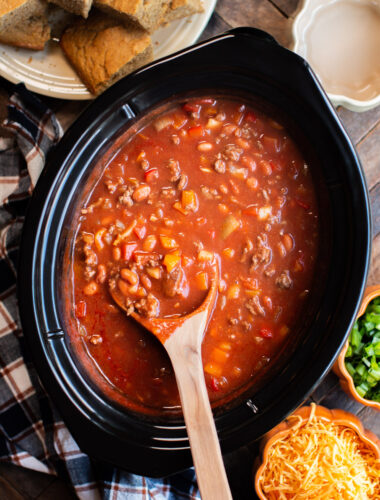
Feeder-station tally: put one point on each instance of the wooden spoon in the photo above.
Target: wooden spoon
(182, 338)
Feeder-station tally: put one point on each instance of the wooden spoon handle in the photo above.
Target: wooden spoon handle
(205, 448)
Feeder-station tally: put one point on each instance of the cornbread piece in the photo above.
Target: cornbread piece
(146, 14)
(78, 7)
(32, 34)
(181, 8)
(103, 50)
(23, 23)
(15, 12)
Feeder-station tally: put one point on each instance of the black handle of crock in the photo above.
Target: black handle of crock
(253, 32)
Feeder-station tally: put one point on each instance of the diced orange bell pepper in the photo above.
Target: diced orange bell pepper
(233, 292)
(178, 206)
(168, 242)
(219, 356)
(201, 280)
(213, 369)
(189, 200)
(171, 261)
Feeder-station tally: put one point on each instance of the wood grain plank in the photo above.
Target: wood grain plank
(374, 271)
(258, 14)
(288, 7)
(7, 491)
(375, 207)
(369, 152)
(58, 490)
(358, 125)
(28, 483)
(215, 26)
(329, 384)
(339, 399)
(370, 419)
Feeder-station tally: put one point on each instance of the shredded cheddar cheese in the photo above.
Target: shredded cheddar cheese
(320, 460)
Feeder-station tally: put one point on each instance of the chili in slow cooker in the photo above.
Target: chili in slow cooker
(208, 181)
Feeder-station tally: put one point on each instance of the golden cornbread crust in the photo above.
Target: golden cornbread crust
(24, 23)
(7, 6)
(146, 14)
(15, 11)
(78, 7)
(102, 50)
(182, 8)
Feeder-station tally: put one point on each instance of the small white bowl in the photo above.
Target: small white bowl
(307, 19)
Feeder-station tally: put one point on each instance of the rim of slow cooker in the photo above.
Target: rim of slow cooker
(51, 348)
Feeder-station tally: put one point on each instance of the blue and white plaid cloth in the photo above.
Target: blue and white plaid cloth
(32, 433)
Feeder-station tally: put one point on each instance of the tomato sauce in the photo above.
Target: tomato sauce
(207, 182)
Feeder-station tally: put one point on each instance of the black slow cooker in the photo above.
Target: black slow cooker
(243, 61)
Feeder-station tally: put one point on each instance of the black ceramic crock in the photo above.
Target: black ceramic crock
(245, 61)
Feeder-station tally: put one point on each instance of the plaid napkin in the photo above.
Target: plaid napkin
(32, 433)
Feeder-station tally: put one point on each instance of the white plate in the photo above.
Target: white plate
(49, 73)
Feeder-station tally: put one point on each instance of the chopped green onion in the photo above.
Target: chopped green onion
(362, 389)
(363, 354)
(350, 368)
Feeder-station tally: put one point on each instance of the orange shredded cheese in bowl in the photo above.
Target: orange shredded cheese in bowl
(319, 458)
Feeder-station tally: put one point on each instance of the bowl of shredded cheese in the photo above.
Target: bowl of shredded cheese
(319, 453)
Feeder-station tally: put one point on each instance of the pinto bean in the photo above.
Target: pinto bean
(91, 288)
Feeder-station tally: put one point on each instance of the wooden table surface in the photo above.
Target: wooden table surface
(276, 17)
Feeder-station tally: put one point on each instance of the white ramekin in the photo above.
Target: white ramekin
(301, 23)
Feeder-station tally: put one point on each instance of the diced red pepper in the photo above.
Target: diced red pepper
(80, 309)
(250, 116)
(196, 131)
(140, 231)
(191, 107)
(276, 166)
(266, 333)
(127, 250)
(251, 210)
(302, 204)
(151, 174)
(214, 384)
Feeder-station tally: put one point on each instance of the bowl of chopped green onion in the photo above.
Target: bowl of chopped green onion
(358, 365)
